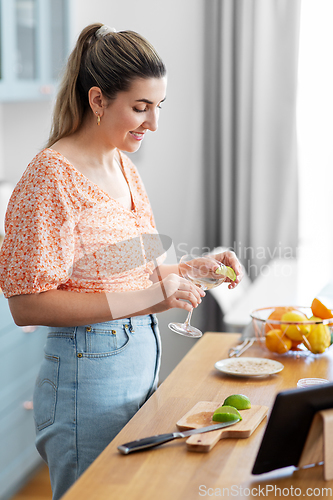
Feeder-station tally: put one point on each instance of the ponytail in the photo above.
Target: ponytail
(110, 62)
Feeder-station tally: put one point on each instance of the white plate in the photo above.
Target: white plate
(249, 367)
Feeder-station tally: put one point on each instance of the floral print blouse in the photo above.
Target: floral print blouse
(64, 232)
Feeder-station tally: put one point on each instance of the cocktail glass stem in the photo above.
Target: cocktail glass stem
(188, 319)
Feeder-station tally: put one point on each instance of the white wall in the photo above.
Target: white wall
(1, 143)
(170, 160)
(25, 128)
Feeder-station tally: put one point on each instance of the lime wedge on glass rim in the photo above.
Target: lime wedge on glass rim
(226, 271)
(226, 414)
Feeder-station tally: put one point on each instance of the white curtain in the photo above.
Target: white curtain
(250, 150)
(315, 122)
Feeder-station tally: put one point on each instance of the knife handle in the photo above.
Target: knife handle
(150, 442)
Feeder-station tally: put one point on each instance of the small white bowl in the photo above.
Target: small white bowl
(309, 382)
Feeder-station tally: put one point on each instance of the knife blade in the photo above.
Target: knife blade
(150, 442)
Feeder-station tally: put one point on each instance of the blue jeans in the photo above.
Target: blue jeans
(92, 380)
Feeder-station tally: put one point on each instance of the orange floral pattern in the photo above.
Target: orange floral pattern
(64, 232)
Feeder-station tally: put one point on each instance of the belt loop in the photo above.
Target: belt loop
(132, 329)
(153, 319)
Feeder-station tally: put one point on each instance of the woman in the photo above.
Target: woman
(73, 260)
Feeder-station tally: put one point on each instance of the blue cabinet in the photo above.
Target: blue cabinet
(21, 353)
(33, 47)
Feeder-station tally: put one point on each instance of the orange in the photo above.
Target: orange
(319, 310)
(277, 342)
(276, 315)
(295, 344)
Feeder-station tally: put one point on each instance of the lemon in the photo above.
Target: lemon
(238, 401)
(297, 331)
(226, 414)
(226, 271)
(319, 338)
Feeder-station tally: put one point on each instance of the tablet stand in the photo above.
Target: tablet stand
(319, 443)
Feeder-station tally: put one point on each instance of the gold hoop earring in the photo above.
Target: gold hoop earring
(98, 120)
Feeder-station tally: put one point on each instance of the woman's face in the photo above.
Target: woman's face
(126, 119)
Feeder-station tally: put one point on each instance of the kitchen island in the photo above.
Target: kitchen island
(171, 472)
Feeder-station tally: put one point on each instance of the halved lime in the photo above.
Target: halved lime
(238, 401)
(226, 271)
(226, 414)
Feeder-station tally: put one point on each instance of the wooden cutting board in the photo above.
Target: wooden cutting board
(201, 416)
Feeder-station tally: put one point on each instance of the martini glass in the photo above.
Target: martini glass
(201, 272)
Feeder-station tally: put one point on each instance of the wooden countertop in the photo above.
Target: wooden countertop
(170, 472)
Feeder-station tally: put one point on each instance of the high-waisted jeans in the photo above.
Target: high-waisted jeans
(92, 380)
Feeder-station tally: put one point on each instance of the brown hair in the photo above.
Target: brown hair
(110, 62)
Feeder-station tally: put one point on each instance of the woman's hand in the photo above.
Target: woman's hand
(174, 291)
(229, 258)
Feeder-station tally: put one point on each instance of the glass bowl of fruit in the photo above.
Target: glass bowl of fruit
(293, 329)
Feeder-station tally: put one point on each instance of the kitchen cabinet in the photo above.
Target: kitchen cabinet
(33, 47)
(21, 353)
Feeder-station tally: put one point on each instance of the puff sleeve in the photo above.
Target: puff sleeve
(38, 250)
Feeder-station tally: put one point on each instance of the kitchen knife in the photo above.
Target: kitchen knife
(150, 442)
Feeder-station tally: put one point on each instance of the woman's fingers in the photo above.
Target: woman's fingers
(188, 295)
(230, 259)
(174, 292)
(182, 293)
